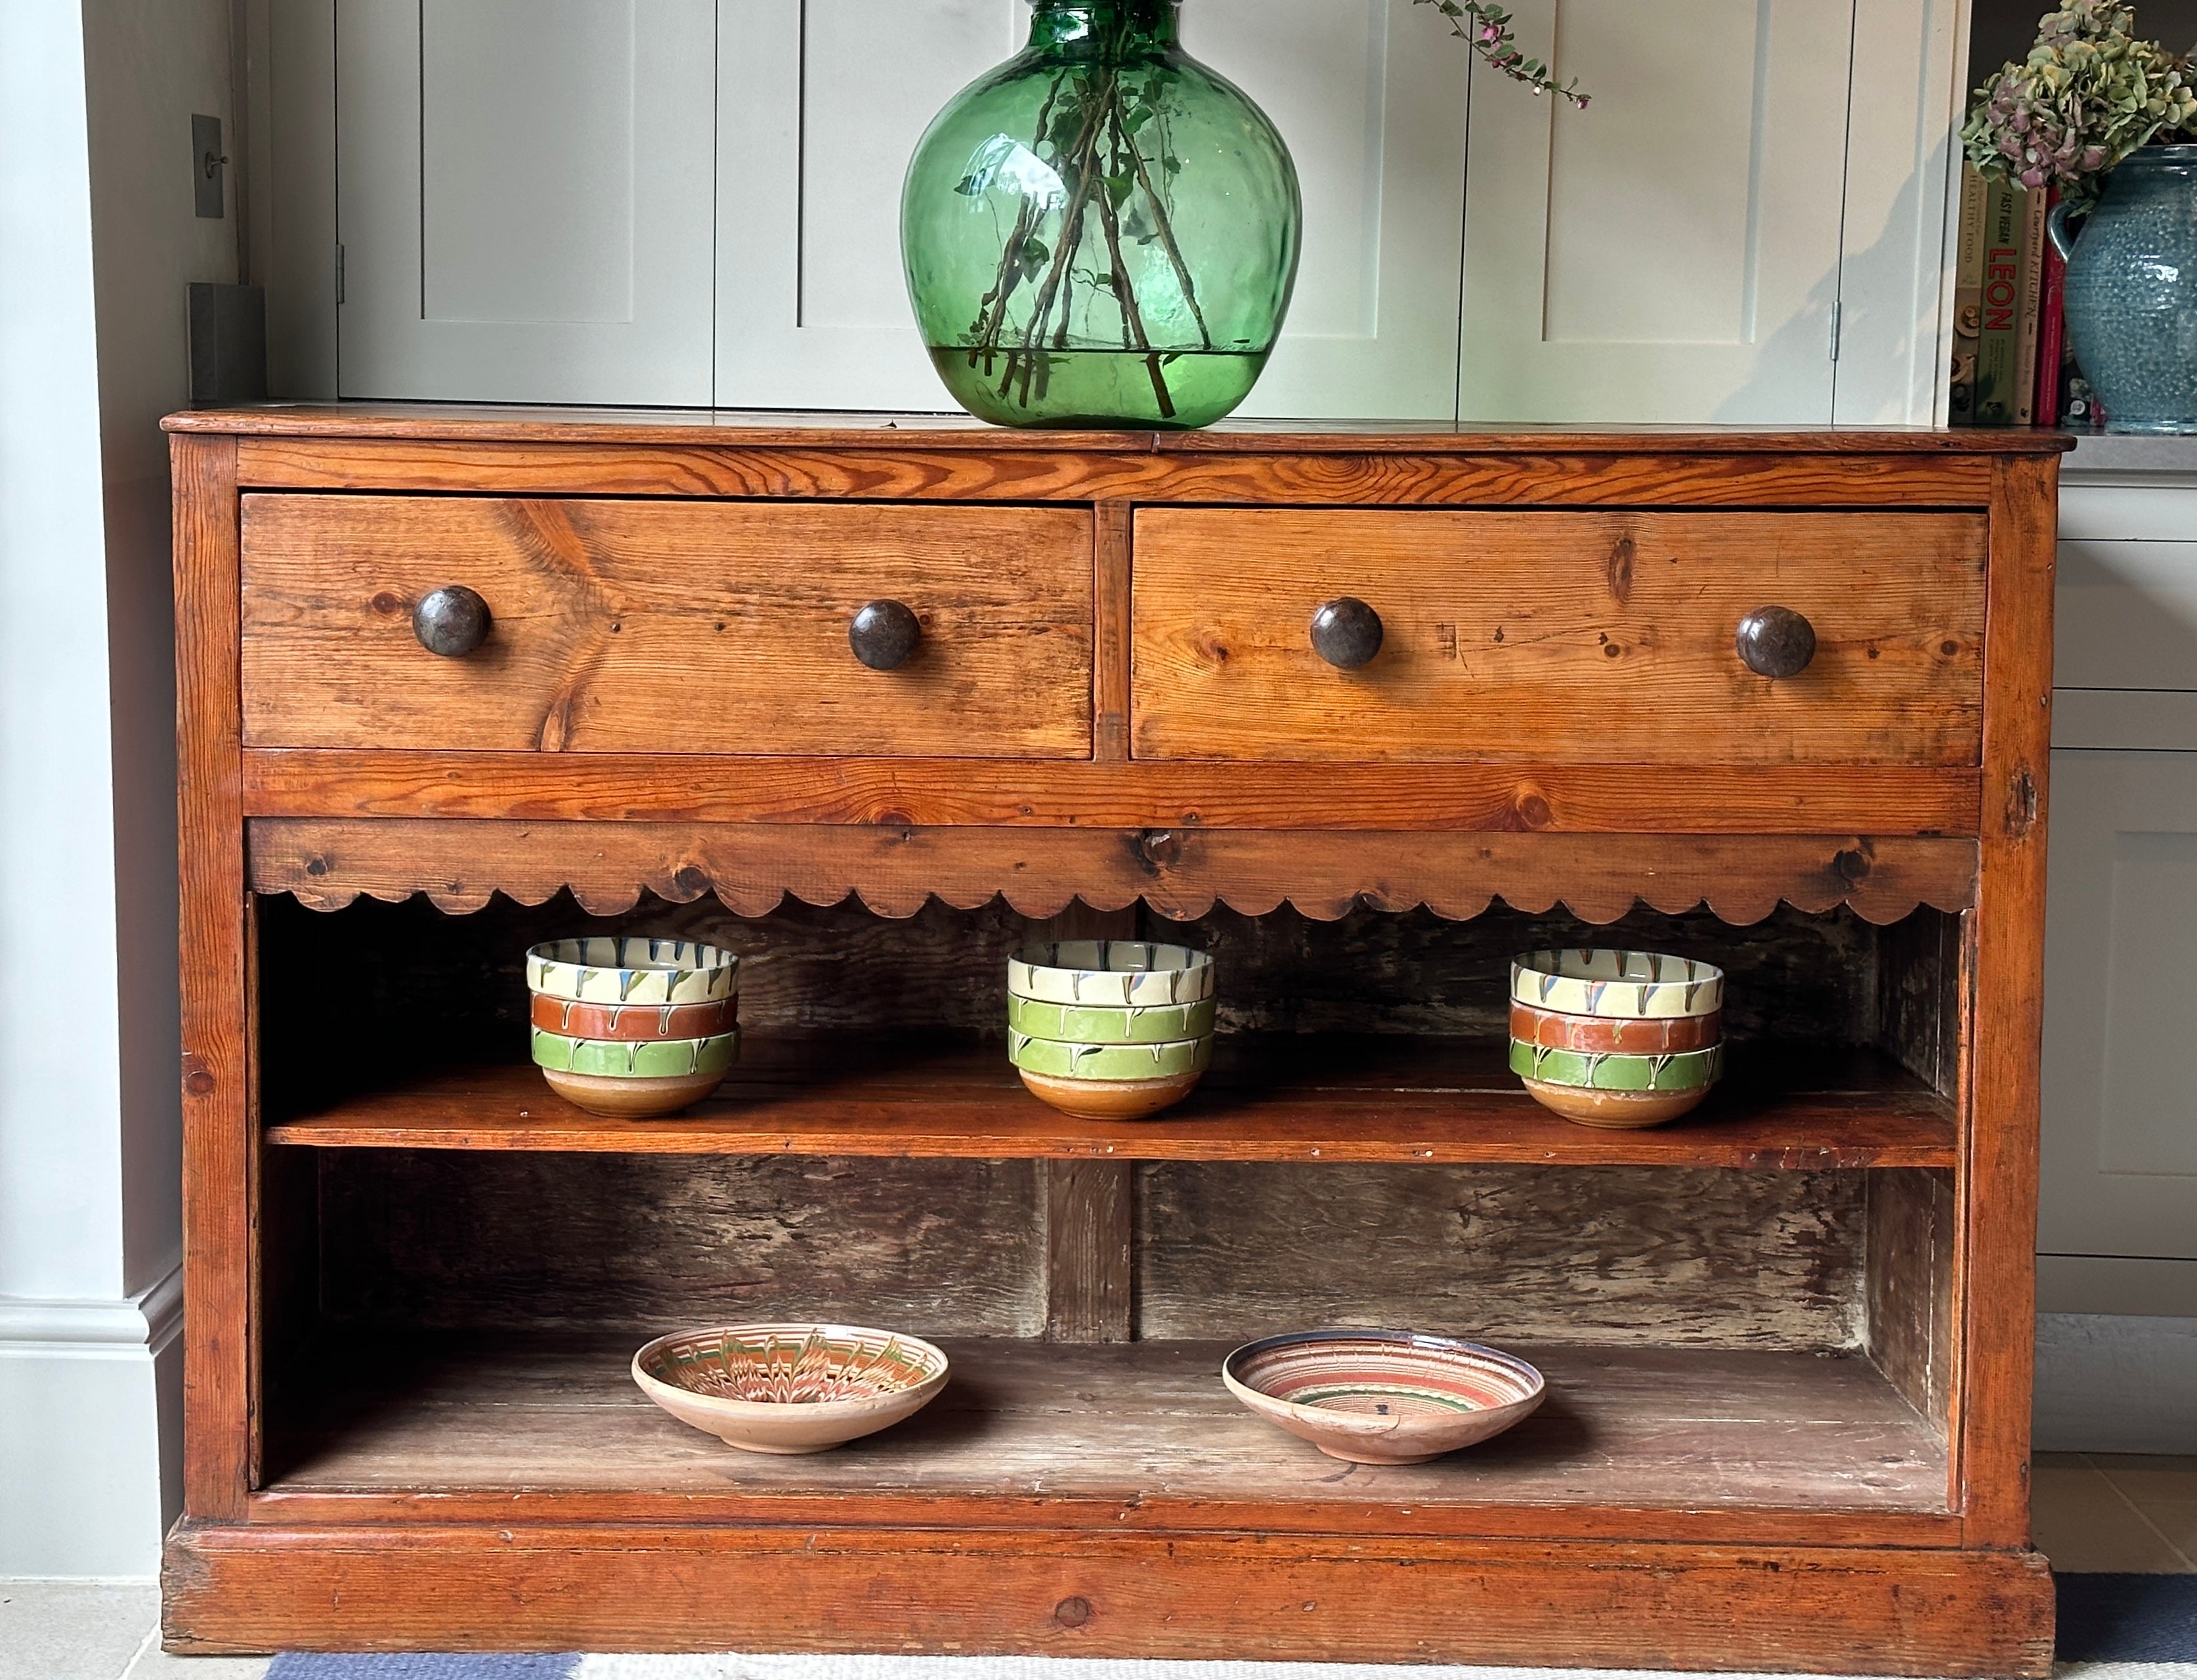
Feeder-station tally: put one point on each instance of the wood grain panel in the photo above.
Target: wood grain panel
(752, 869)
(442, 1587)
(685, 629)
(1551, 798)
(1075, 469)
(645, 1243)
(1996, 1283)
(220, 1148)
(1095, 1429)
(1912, 1226)
(1319, 1101)
(1548, 637)
(1673, 1259)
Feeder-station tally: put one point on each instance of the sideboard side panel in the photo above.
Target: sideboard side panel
(219, 1148)
(1998, 1192)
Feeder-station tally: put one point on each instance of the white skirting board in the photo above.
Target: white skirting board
(91, 1452)
(2115, 1383)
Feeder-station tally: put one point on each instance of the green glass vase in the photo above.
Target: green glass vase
(1101, 232)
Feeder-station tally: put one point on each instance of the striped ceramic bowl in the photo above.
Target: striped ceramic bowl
(1382, 1397)
(629, 1058)
(635, 970)
(1680, 1070)
(1642, 984)
(1114, 972)
(789, 1387)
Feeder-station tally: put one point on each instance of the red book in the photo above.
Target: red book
(2050, 331)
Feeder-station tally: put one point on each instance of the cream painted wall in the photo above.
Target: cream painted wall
(96, 240)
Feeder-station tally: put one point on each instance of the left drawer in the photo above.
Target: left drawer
(668, 627)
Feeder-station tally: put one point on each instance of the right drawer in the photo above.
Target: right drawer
(1557, 636)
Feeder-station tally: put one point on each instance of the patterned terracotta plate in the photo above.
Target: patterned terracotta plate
(636, 969)
(1382, 1397)
(659, 1059)
(1625, 1034)
(1099, 1024)
(789, 1387)
(1686, 1070)
(1114, 972)
(633, 1023)
(1639, 983)
(1108, 1061)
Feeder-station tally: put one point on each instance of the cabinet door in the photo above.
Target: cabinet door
(1671, 253)
(524, 192)
(2121, 1105)
(824, 101)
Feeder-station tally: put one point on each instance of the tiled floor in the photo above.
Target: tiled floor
(2094, 1512)
(2097, 1512)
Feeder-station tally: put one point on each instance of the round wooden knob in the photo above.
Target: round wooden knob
(1345, 633)
(1775, 641)
(452, 620)
(883, 635)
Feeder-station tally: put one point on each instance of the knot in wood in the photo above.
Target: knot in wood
(1072, 1611)
(1853, 865)
(197, 1081)
(1158, 849)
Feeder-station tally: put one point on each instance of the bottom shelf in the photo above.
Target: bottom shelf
(1097, 1433)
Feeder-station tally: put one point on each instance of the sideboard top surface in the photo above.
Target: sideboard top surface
(755, 429)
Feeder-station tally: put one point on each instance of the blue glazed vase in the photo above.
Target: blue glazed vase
(2132, 291)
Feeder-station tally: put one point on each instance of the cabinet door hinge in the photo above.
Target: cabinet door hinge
(1838, 308)
(340, 273)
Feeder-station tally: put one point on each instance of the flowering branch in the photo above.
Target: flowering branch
(1486, 28)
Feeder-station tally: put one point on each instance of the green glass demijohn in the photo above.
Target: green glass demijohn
(1101, 232)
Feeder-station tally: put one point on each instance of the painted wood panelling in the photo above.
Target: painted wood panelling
(524, 193)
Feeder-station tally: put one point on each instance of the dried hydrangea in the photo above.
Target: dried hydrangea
(1487, 29)
(2088, 94)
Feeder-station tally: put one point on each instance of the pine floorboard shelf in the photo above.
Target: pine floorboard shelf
(1103, 1436)
(1269, 1098)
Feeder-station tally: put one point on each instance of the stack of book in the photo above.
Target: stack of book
(2009, 348)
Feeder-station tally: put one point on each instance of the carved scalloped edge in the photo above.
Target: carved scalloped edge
(896, 872)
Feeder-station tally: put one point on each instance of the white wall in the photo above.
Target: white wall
(96, 239)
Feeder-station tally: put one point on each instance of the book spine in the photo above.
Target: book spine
(1999, 330)
(2031, 206)
(1967, 297)
(2051, 329)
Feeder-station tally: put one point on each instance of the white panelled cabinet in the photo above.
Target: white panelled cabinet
(2117, 1223)
(696, 201)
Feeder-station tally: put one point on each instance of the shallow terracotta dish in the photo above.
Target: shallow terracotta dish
(1382, 1397)
(633, 1023)
(1109, 1098)
(636, 969)
(1102, 1023)
(1616, 1110)
(1642, 984)
(1626, 1034)
(1113, 972)
(1682, 1071)
(653, 1058)
(620, 1098)
(789, 1387)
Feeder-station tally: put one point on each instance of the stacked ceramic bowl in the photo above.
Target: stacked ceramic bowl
(1616, 1038)
(634, 1027)
(1110, 1028)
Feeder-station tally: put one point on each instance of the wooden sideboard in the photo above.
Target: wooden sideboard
(1788, 1337)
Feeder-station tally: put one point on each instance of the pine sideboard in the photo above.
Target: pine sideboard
(1780, 699)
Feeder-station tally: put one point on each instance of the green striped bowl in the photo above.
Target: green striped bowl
(1108, 1061)
(1679, 1070)
(1113, 972)
(656, 1058)
(1099, 1023)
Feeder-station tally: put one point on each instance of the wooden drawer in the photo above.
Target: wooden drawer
(666, 626)
(1545, 637)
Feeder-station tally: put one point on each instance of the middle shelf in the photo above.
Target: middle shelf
(1367, 1098)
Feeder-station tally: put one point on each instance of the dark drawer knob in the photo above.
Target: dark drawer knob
(1345, 633)
(883, 635)
(1775, 641)
(452, 621)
